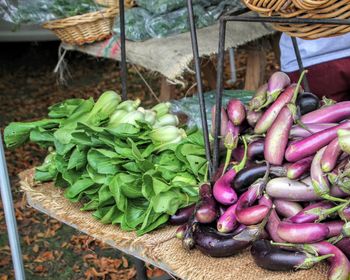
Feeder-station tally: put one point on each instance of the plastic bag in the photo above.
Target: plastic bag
(135, 24)
(158, 7)
(190, 106)
(39, 11)
(176, 22)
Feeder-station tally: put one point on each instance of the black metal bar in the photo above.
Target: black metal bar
(236, 13)
(286, 20)
(199, 84)
(141, 272)
(300, 63)
(219, 91)
(123, 69)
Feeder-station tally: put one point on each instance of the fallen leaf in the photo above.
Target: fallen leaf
(36, 248)
(40, 268)
(125, 262)
(44, 257)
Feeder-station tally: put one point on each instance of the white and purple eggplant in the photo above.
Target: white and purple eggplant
(329, 114)
(259, 98)
(300, 168)
(236, 111)
(344, 140)
(298, 131)
(330, 156)
(253, 117)
(287, 208)
(206, 210)
(302, 233)
(310, 145)
(228, 220)
(313, 212)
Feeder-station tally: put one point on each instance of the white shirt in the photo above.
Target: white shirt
(313, 51)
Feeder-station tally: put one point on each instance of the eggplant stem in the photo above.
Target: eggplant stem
(335, 239)
(243, 162)
(311, 261)
(324, 213)
(332, 198)
(296, 90)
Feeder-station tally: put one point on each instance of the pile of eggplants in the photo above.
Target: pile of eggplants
(283, 188)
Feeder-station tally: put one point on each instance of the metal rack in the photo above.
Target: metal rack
(239, 16)
(213, 161)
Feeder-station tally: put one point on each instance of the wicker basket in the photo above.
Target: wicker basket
(86, 28)
(115, 3)
(313, 9)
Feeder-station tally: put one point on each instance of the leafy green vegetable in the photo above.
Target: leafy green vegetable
(131, 172)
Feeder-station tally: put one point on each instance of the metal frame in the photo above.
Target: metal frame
(240, 17)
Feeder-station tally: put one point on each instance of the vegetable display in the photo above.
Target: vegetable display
(129, 165)
(284, 186)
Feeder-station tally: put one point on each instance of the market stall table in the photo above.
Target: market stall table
(171, 56)
(159, 248)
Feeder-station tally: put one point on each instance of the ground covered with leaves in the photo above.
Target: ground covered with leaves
(52, 250)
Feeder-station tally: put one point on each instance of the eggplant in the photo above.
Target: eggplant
(312, 212)
(307, 102)
(344, 246)
(287, 208)
(259, 98)
(310, 145)
(182, 215)
(299, 168)
(215, 244)
(276, 258)
(335, 228)
(298, 131)
(331, 155)
(206, 210)
(236, 111)
(329, 114)
(302, 233)
(228, 220)
(249, 175)
(253, 117)
(222, 190)
(180, 231)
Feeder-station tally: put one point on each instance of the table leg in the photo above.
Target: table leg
(10, 217)
(141, 272)
(256, 63)
(167, 90)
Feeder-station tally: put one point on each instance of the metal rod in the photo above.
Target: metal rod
(141, 273)
(10, 217)
(219, 91)
(199, 84)
(232, 66)
(286, 20)
(123, 69)
(300, 63)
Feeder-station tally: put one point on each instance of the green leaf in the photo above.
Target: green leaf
(101, 163)
(191, 149)
(118, 195)
(135, 212)
(158, 222)
(195, 163)
(76, 189)
(62, 149)
(81, 138)
(42, 137)
(124, 130)
(110, 215)
(132, 167)
(148, 151)
(96, 177)
(167, 202)
(135, 151)
(105, 196)
(64, 109)
(77, 159)
(91, 205)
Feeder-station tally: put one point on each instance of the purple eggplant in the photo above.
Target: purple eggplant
(344, 246)
(345, 213)
(330, 156)
(276, 84)
(302, 233)
(277, 137)
(277, 258)
(298, 131)
(182, 215)
(246, 213)
(216, 244)
(239, 229)
(339, 264)
(312, 212)
(206, 210)
(310, 145)
(272, 112)
(253, 117)
(307, 102)
(284, 188)
(259, 98)
(256, 150)
(180, 232)
(298, 169)
(287, 208)
(335, 228)
(228, 221)
(319, 180)
(236, 111)
(334, 113)
(222, 190)
(249, 175)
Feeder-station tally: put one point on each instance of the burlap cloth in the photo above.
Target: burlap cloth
(172, 55)
(159, 248)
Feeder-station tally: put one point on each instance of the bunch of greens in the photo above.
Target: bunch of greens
(131, 166)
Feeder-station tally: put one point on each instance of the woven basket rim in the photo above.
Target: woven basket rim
(84, 18)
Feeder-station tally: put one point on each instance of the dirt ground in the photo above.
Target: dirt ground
(28, 86)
